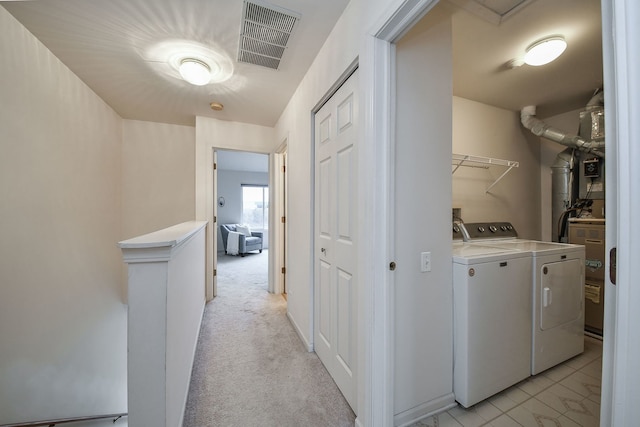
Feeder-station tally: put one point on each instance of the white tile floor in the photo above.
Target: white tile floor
(565, 395)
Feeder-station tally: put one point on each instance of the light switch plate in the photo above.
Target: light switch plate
(425, 262)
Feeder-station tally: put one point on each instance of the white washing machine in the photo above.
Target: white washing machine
(558, 300)
(492, 320)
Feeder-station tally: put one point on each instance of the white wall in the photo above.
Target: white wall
(212, 133)
(423, 326)
(338, 52)
(158, 176)
(62, 319)
(230, 187)
(483, 130)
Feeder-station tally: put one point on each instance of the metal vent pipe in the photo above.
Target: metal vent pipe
(563, 179)
(562, 183)
(540, 128)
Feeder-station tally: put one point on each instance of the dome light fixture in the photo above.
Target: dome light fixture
(195, 71)
(544, 51)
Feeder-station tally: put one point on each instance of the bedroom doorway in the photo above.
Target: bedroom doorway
(241, 197)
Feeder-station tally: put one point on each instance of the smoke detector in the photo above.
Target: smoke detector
(264, 34)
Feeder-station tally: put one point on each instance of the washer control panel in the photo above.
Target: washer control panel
(486, 230)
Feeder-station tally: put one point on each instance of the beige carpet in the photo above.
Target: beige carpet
(251, 368)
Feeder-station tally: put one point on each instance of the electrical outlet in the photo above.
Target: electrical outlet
(425, 262)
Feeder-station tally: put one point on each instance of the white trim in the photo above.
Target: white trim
(276, 227)
(214, 229)
(621, 364)
(608, 347)
(296, 327)
(378, 312)
(424, 411)
(334, 88)
(377, 321)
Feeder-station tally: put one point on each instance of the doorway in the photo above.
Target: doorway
(616, 25)
(241, 189)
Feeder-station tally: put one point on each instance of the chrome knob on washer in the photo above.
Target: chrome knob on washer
(481, 229)
(493, 228)
(503, 227)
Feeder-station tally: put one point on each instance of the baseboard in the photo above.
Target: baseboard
(427, 409)
(307, 344)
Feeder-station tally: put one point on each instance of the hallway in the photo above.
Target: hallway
(250, 367)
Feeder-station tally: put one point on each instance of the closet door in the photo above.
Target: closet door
(335, 281)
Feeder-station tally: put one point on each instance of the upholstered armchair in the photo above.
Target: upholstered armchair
(246, 243)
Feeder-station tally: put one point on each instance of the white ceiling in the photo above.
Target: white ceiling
(481, 51)
(109, 44)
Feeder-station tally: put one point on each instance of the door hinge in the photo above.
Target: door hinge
(215, 219)
(284, 169)
(283, 219)
(215, 272)
(284, 270)
(215, 166)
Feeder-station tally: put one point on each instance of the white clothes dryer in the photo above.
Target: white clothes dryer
(558, 300)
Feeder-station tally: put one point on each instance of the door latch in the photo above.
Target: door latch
(613, 264)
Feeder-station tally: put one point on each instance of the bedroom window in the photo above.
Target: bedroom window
(255, 206)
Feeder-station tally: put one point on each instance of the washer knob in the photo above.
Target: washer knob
(493, 228)
(503, 227)
(481, 229)
(509, 227)
(456, 229)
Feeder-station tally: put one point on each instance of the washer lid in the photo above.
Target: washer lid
(468, 253)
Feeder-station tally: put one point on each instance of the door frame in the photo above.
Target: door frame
(206, 204)
(214, 239)
(278, 230)
(376, 384)
(620, 362)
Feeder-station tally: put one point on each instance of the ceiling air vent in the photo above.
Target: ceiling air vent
(264, 34)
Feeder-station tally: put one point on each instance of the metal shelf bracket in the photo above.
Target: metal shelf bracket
(467, 160)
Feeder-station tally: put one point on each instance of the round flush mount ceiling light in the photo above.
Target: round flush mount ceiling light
(195, 71)
(174, 58)
(216, 106)
(544, 51)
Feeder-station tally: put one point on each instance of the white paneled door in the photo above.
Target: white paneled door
(335, 281)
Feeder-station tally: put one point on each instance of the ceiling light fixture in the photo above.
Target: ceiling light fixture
(216, 106)
(195, 71)
(544, 51)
